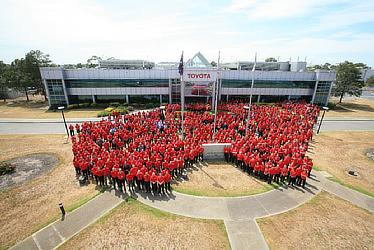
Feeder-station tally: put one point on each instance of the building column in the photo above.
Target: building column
(93, 99)
(65, 92)
(219, 89)
(169, 90)
(314, 92)
(160, 99)
(127, 99)
(328, 97)
(258, 98)
(47, 92)
(289, 97)
(227, 98)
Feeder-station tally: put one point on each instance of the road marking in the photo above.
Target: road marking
(58, 233)
(36, 242)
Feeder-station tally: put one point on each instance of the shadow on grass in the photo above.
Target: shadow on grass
(352, 107)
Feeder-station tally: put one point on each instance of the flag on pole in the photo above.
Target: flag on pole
(180, 67)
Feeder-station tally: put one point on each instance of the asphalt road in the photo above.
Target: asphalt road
(53, 127)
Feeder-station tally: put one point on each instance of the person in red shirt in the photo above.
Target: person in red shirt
(71, 129)
(154, 183)
(167, 179)
(146, 179)
(130, 182)
(293, 175)
(303, 176)
(161, 184)
(139, 180)
(284, 173)
(121, 180)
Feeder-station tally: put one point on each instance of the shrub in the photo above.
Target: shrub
(84, 105)
(122, 110)
(151, 105)
(130, 108)
(109, 109)
(94, 105)
(114, 104)
(73, 106)
(6, 168)
(104, 113)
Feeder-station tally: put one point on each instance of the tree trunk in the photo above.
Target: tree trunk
(27, 95)
(341, 97)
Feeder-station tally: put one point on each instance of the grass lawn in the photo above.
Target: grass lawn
(32, 205)
(357, 108)
(325, 222)
(338, 152)
(220, 179)
(133, 225)
(38, 109)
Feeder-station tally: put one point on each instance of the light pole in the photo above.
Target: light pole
(248, 110)
(323, 115)
(63, 117)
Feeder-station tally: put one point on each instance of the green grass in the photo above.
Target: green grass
(316, 168)
(191, 191)
(358, 189)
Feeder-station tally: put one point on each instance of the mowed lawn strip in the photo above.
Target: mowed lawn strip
(338, 152)
(355, 108)
(30, 206)
(39, 110)
(325, 222)
(220, 180)
(133, 225)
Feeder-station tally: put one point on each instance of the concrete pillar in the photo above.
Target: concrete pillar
(328, 97)
(160, 99)
(170, 88)
(289, 97)
(258, 98)
(127, 99)
(314, 92)
(227, 98)
(93, 99)
(47, 91)
(65, 92)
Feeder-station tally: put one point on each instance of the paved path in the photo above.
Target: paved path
(56, 126)
(58, 232)
(239, 213)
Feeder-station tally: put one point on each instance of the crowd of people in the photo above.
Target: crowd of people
(145, 151)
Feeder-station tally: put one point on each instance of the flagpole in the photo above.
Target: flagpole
(181, 70)
(216, 85)
(250, 97)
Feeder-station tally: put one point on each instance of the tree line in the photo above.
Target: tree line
(23, 74)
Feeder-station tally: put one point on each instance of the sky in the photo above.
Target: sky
(71, 31)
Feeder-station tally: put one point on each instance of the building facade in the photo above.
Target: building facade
(68, 86)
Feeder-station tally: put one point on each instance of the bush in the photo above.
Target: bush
(84, 105)
(114, 104)
(130, 108)
(104, 113)
(6, 168)
(73, 106)
(94, 105)
(109, 109)
(151, 105)
(122, 110)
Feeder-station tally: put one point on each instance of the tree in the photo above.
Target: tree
(18, 77)
(34, 60)
(93, 61)
(348, 80)
(370, 81)
(213, 63)
(3, 68)
(326, 66)
(270, 59)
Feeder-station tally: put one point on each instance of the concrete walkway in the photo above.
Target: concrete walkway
(58, 232)
(239, 213)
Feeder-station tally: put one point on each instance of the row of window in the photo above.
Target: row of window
(268, 84)
(118, 83)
